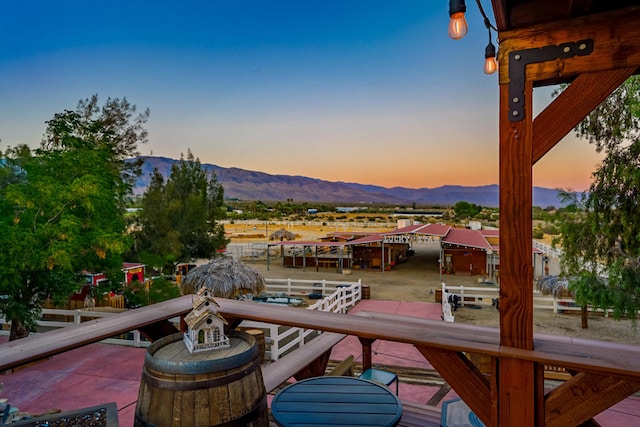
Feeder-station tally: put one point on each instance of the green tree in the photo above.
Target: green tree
(62, 206)
(179, 220)
(466, 210)
(601, 233)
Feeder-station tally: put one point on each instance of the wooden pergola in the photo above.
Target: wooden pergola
(595, 46)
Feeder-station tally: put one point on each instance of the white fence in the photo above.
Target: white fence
(338, 297)
(485, 296)
(554, 253)
(330, 225)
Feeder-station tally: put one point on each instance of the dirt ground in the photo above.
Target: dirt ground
(418, 278)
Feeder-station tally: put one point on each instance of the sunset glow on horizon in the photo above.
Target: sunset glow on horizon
(357, 91)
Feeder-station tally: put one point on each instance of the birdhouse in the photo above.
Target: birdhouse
(205, 325)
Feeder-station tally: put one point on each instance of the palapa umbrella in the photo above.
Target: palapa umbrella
(225, 276)
(282, 234)
(553, 285)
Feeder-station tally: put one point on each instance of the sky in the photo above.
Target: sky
(367, 91)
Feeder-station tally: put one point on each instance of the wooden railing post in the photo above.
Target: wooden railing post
(367, 359)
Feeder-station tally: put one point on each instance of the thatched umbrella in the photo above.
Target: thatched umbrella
(225, 276)
(553, 285)
(282, 234)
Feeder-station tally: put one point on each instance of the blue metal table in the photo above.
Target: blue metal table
(336, 401)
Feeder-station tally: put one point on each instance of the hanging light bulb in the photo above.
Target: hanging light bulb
(490, 63)
(458, 27)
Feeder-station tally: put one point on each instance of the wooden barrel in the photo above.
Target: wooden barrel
(366, 292)
(221, 387)
(258, 334)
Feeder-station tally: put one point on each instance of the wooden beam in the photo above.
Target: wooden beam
(539, 394)
(35, 347)
(516, 379)
(294, 362)
(516, 270)
(367, 359)
(316, 368)
(158, 330)
(616, 37)
(516, 393)
(572, 105)
(500, 14)
(584, 396)
(459, 372)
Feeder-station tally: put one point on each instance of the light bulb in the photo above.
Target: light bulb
(490, 64)
(458, 27)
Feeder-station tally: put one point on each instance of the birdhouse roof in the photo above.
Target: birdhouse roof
(194, 320)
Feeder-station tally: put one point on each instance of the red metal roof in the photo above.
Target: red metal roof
(130, 265)
(368, 239)
(307, 243)
(466, 237)
(490, 233)
(438, 230)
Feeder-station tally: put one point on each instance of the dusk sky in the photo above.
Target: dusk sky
(368, 91)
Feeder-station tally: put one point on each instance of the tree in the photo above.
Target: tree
(600, 238)
(62, 206)
(466, 210)
(179, 217)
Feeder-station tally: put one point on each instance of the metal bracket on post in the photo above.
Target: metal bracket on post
(518, 61)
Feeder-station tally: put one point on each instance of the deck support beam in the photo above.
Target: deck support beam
(464, 377)
(518, 396)
(584, 396)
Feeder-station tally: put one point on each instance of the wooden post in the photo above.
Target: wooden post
(367, 359)
(516, 381)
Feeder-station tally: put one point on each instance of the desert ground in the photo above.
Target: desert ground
(418, 278)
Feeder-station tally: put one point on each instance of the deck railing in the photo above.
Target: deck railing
(444, 345)
(338, 297)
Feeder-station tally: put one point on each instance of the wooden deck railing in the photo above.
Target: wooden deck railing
(339, 297)
(443, 344)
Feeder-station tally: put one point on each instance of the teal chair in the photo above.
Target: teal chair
(381, 377)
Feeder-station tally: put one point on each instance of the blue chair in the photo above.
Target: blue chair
(381, 377)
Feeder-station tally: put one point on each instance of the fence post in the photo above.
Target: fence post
(555, 305)
(275, 343)
(77, 317)
(136, 338)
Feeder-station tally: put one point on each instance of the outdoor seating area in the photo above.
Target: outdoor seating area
(592, 47)
(77, 370)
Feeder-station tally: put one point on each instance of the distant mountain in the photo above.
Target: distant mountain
(251, 185)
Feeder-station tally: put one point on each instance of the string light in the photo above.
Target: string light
(458, 27)
(490, 63)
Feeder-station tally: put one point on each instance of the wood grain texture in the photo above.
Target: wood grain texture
(284, 368)
(573, 105)
(516, 381)
(516, 269)
(35, 347)
(584, 396)
(465, 379)
(216, 387)
(616, 37)
(516, 396)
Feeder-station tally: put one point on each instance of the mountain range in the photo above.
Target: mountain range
(252, 185)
